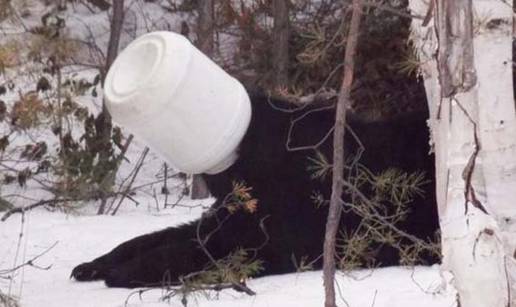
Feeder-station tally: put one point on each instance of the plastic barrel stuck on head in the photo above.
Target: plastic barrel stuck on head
(179, 102)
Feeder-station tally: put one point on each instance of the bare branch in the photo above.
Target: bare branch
(127, 190)
(31, 262)
(101, 4)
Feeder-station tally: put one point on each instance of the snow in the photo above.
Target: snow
(82, 238)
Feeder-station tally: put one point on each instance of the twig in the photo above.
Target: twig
(375, 215)
(202, 242)
(152, 182)
(374, 298)
(35, 205)
(53, 201)
(118, 161)
(180, 198)
(155, 199)
(31, 261)
(341, 294)
(293, 122)
(177, 288)
(101, 4)
(135, 173)
(164, 189)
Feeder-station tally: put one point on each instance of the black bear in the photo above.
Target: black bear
(285, 223)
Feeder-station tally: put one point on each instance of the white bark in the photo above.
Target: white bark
(478, 247)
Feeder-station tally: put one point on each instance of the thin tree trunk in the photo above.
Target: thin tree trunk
(117, 22)
(205, 27)
(199, 188)
(280, 38)
(205, 43)
(335, 209)
(474, 133)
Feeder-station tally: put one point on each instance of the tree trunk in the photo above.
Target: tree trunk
(117, 21)
(199, 188)
(280, 39)
(473, 130)
(335, 210)
(205, 43)
(205, 27)
(106, 125)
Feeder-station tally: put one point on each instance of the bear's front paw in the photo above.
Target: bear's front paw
(87, 271)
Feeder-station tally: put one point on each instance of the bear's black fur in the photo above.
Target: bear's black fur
(281, 182)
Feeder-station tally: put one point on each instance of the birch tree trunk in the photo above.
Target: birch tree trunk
(466, 56)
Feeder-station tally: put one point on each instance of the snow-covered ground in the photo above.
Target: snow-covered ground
(81, 238)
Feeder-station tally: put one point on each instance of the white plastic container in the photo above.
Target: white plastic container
(179, 102)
